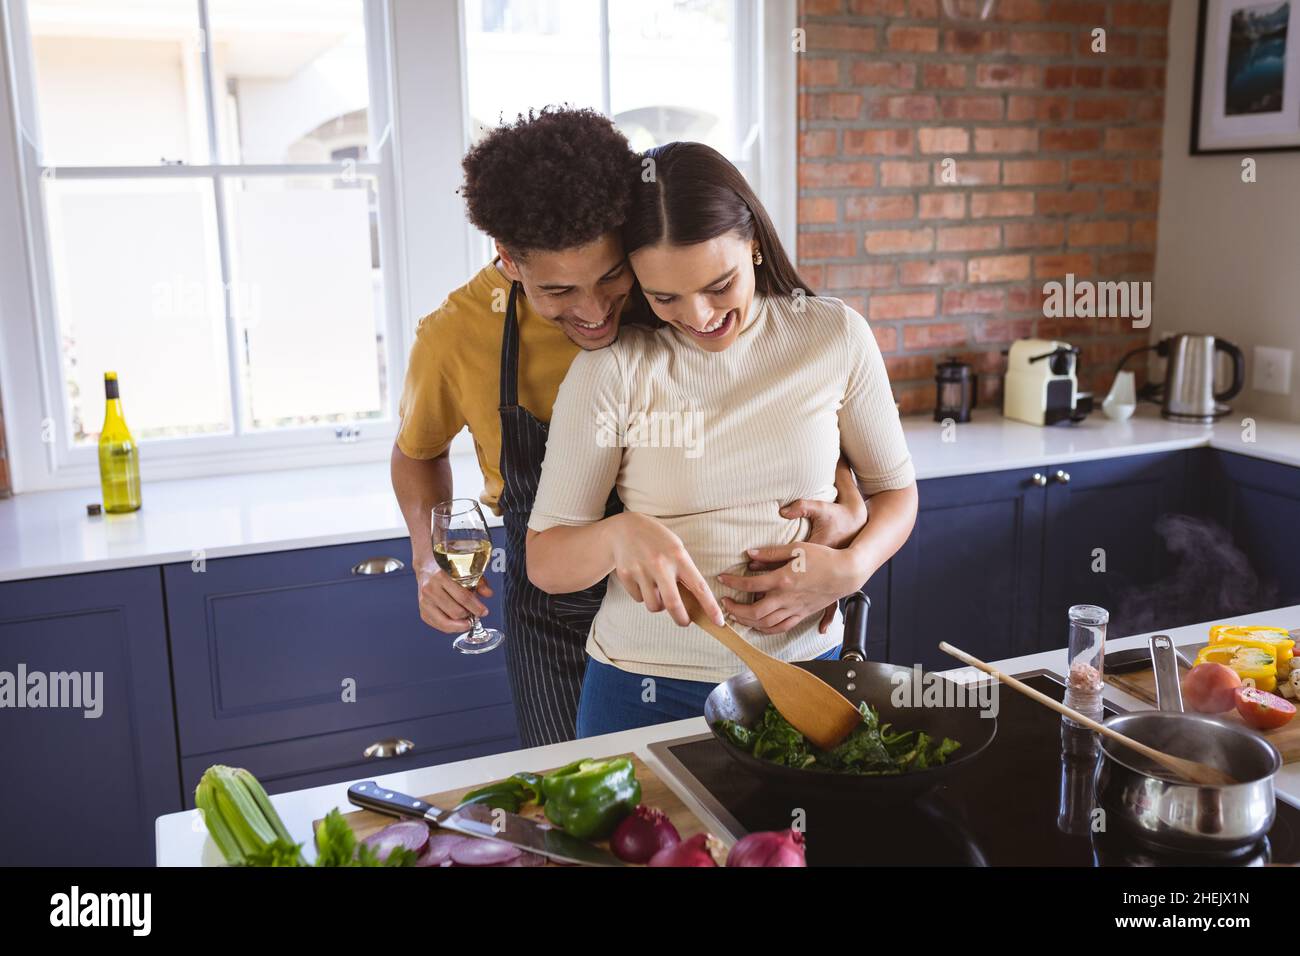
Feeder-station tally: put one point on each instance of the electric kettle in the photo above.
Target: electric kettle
(1187, 393)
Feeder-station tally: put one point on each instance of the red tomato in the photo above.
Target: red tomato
(1211, 688)
(1262, 710)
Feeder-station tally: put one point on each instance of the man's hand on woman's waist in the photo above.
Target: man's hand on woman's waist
(786, 599)
(805, 578)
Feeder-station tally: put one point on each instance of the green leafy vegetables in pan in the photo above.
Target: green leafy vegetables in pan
(872, 749)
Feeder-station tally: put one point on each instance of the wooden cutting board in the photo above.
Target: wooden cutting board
(654, 793)
(1142, 685)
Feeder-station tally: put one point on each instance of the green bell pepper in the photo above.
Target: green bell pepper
(589, 798)
(509, 794)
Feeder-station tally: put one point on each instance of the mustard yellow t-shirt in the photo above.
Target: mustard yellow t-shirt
(453, 376)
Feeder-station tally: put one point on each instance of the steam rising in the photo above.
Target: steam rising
(1212, 578)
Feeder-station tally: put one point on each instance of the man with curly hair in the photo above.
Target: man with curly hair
(552, 190)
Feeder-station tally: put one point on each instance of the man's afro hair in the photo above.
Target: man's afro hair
(551, 180)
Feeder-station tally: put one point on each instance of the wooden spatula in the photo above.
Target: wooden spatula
(1192, 771)
(815, 708)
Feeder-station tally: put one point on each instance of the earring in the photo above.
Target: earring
(758, 257)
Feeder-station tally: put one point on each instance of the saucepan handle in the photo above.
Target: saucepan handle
(857, 609)
(1164, 662)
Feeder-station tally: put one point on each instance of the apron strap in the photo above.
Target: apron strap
(510, 353)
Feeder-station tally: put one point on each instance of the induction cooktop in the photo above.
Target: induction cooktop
(1027, 802)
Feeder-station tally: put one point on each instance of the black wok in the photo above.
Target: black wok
(742, 699)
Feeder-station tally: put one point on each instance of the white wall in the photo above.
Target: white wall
(1228, 256)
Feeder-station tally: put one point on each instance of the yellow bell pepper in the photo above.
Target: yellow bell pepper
(1257, 663)
(1275, 639)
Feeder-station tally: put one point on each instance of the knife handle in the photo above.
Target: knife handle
(370, 796)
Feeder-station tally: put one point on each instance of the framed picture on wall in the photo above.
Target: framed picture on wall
(1247, 94)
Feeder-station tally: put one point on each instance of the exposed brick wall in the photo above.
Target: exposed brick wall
(1057, 153)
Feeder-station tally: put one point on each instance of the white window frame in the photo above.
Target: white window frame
(419, 123)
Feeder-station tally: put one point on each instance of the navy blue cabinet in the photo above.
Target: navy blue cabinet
(1103, 545)
(971, 571)
(996, 560)
(298, 650)
(1260, 505)
(79, 789)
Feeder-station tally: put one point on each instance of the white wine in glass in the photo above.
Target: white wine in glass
(462, 548)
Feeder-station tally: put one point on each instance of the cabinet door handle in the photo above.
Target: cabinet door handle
(377, 566)
(1039, 479)
(390, 747)
(1062, 477)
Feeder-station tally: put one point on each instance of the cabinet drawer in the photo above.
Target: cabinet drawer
(270, 648)
(336, 758)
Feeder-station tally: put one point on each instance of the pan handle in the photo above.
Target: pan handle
(1169, 692)
(857, 608)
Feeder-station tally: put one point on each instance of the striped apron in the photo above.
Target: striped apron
(546, 634)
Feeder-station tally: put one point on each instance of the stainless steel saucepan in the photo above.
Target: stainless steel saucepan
(1172, 815)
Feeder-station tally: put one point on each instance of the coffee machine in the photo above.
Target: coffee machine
(1042, 383)
(1187, 394)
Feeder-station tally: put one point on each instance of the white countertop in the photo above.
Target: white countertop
(182, 841)
(49, 533)
(992, 443)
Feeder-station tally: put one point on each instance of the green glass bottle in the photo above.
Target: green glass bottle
(119, 456)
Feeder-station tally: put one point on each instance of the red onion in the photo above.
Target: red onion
(409, 835)
(642, 834)
(437, 852)
(770, 848)
(483, 853)
(692, 852)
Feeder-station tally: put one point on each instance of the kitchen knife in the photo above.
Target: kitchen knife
(477, 820)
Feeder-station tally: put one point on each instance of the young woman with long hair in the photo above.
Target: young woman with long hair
(743, 400)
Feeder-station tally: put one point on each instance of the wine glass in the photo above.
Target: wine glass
(462, 547)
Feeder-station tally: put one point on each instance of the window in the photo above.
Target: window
(244, 206)
(664, 70)
(210, 200)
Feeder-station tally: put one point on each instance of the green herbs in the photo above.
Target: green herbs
(872, 749)
(336, 845)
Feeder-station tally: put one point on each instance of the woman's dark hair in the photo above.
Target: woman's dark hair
(688, 193)
(550, 180)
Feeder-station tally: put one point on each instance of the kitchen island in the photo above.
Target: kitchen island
(182, 840)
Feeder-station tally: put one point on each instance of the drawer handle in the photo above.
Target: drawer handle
(1039, 479)
(377, 566)
(392, 747)
(1062, 477)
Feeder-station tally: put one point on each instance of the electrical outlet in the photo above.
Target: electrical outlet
(1272, 370)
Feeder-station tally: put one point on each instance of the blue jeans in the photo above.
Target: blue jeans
(612, 699)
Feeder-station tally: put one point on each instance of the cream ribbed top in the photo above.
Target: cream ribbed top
(712, 445)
